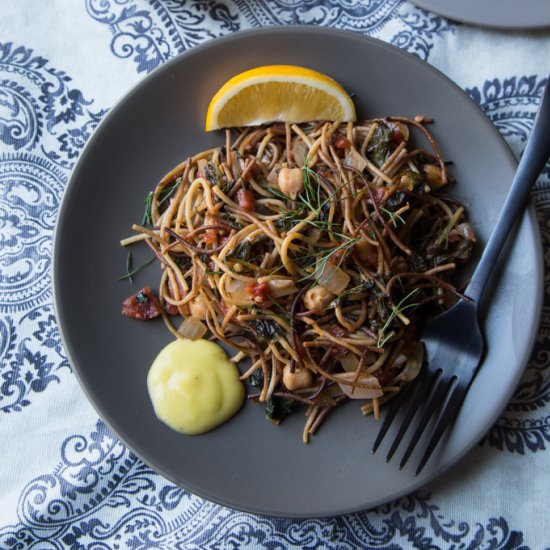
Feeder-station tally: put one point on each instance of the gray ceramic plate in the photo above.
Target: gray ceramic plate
(506, 14)
(249, 463)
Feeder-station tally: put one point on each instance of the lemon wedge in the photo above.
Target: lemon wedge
(278, 93)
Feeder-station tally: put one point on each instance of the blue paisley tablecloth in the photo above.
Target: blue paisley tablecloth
(66, 481)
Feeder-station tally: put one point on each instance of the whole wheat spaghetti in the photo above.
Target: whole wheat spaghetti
(315, 251)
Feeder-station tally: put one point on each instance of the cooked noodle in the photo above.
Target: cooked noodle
(315, 250)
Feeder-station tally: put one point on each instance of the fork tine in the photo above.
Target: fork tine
(391, 413)
(409, 415)
(422, 385)
(388, 419)
(439, 392)
(446, 418)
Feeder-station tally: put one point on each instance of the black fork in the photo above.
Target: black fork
(453, 340)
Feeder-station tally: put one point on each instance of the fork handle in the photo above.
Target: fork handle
(531, 164)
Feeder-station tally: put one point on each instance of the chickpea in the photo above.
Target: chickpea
(291, 181)
(299, 379)
(433, 176)
(317, 299)
(198, 308)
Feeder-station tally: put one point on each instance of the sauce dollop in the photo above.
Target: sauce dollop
(194, 387)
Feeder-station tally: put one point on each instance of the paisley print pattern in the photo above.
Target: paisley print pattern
(150, 36)
(509, 104)
(37, 104)
(102, 496)
(31, 188)
(525, 425)
(43, 125)
(32, 362)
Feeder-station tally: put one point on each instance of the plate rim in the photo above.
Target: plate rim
(455, 12)
(57, 300)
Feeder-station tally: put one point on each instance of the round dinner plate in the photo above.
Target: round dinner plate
(505, 14)
(249, 463)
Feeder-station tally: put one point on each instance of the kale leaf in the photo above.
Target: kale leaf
(380, 145)
(267, 328)
(278, 408)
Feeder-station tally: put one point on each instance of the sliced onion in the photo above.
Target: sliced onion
(238, 293)
(413, 364)
(400, 360)
(355, 160)
(355, 392)
(192, 328)
(273, 176)
(400, 127)
(349, 362)
(465, 230)
(281, 287)
(299, 152)
(331, 277)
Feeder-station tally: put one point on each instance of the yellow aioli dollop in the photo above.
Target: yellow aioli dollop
(194, 387)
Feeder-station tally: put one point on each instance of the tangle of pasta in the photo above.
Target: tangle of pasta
(314, 250)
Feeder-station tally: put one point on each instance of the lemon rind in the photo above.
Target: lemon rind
(277, 73)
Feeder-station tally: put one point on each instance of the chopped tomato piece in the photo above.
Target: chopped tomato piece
(210, 236)
(340, 142)
(259, 290)
(246, 199)
(142, 305)
(397, 137)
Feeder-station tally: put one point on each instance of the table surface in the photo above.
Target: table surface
(67, 481)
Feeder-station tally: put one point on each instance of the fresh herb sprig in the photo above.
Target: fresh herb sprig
(147, 218)
(164, 195)
(310, 200)
(394, 217)
(315, 199)
(131, 271)
(339, 251)
(396, 310)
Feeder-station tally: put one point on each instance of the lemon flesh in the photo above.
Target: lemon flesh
(278, 93)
